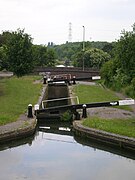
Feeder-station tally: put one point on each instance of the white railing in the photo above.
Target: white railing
(75, 100)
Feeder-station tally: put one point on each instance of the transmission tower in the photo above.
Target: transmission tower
(70, 32)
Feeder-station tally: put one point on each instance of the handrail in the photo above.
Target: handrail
(59, 99)
(89, 105)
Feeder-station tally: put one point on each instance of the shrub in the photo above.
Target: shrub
(130, 90)
(66, 116)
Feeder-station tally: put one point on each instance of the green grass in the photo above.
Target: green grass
(15, 95)
(117, 126)
(89, 94)
(96, 93)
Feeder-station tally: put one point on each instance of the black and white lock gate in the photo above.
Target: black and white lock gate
(73, 108)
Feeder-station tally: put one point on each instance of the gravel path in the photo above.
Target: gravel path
(6, 74)
(21, 122)
(110, 113)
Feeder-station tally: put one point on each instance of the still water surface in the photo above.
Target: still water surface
(51, 156)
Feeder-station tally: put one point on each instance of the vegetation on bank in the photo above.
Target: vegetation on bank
(15, 95)
(19, 55)
(124, 127)
(96, 93)
(119, 72)
(95, 53)
(115, 60)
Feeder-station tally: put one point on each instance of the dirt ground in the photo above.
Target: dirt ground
(110, 113)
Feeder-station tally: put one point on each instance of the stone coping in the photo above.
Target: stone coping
(19, 129)
(103, 136)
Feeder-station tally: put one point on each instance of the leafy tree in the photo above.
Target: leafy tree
(70, 50)
(43, 56)
(18, 50)
(108, 47)
(4, 37)
(78, 59)
(40, 55)
(125, 53)
(1, 40)
(3, 64)
(120, 71)
(93, 58)
(51, 57)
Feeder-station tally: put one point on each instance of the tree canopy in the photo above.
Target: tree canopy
(18, 50)
(120, 71)
(93, 58)
(19, 55)
(68, 52)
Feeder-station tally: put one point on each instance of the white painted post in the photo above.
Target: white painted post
(96, 77)
(36, 107)
(126, 102)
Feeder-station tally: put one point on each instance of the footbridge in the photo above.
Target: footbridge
(74, 71)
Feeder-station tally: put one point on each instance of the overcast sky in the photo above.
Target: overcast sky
(48, 20)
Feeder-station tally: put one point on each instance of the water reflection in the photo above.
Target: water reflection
(56, 128)
(105, 147)
(52, 155)
(20, 142)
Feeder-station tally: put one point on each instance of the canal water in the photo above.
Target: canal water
(54, 153)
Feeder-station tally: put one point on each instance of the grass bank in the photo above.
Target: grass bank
(117, 126)
(15, 95)
(93, 93)
(96, 93)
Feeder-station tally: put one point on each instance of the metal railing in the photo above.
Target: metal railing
(75, 100)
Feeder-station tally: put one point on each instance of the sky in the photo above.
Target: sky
(48, 20)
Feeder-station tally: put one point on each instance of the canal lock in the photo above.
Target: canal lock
(56, 95)
(56, 121)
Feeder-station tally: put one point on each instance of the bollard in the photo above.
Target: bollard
(84, 113)
(36, 107)
(74, 78)
(30, 115)
(44, 82)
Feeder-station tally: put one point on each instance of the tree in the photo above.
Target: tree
(51, 57)
(18, 50)
(4, 37)
(108, 47)
(125, 53)
(3, 64)
(43, 56)
(93, 58)
(40, 55)
(120, 71)
(78, 59)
